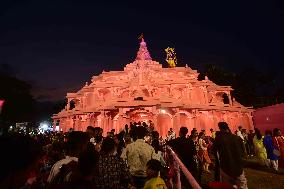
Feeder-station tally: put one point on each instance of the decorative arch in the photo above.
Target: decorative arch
(74, 103)
(222, 97)
(164, 123)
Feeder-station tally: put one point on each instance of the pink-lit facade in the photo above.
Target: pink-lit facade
(144, 91)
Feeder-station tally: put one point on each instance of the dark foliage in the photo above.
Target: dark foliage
(19, 103)
(249, 84)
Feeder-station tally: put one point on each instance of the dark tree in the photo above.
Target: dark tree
(19, 103)
(248, 84)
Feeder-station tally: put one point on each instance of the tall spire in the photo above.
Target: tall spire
(143, 53)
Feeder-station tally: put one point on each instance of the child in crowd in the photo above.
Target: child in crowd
(155, 181)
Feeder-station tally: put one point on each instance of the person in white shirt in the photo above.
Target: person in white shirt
(77, 142)
(137, 154)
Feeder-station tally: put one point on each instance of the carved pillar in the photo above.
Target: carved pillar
(206, 96)
(230, 99)
(68, 105)
(176, 123)
(54, 124)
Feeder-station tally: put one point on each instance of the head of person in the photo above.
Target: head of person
(127, 139)
(276, 132)
(77, 142)
(171, 129)
(126, 126)
(251, 131)
(268, 132)
(194, 133)
(201, 135)
(116, 138)
(153, 168)
(183, 132)
(211, 130)
(88, 161)
(156, 145)
(90, 131)
(97, 131)
(108, 146)
(223, 127)
(258, 134)
(144, 124)
(155, 135)
(240, 128)
(140, 132)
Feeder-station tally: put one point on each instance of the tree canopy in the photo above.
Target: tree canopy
(249, 84)
(19, 103)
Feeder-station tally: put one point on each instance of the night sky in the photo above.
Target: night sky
(59, 45)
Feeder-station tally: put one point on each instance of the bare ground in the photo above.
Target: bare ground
(258, 177)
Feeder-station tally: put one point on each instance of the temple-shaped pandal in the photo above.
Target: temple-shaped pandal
(145, 91)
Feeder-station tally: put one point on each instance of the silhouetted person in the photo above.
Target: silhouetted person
(19, 155)
(185, 149)
(229, 151)
(77, 142)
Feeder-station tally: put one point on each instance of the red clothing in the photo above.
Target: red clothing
(278, 142)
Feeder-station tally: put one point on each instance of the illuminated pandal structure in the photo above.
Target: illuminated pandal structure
(145, 91)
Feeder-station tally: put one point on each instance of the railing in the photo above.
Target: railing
(178, 165)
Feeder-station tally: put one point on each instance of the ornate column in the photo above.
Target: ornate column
(230, 98)
(68, 105)
(205, 95)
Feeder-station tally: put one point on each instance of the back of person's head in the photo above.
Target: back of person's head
(155, 134)
(192, 132)
(121, 135)
(91, 128)
(240, 127)
(108, 145)
(201, 134)
(156, 145)
(223, 126)
(258, 134)
(276, 132)
(97, 130)
(183, 131)
(268, 132)
(154, 165)
(87, 161)
(76, 142)
(140, 132)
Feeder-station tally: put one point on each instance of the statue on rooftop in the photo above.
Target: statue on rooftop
(171, 57)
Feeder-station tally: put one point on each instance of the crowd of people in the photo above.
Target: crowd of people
(136, 157)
